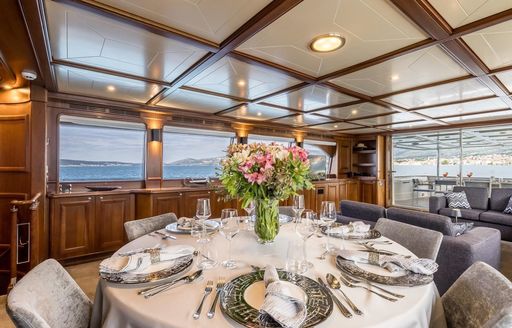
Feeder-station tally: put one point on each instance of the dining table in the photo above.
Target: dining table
(119, 305)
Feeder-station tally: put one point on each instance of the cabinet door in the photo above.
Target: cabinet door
(333, 193)
(342, 190)
(165, 203)
(368, 191)
(189, 201)
(72, 227)
(310, 199)
(353, 190)
(111, 213)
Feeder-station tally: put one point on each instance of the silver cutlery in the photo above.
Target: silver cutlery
(165, 236)
(152, 291)
(140, 250)
(356, 281)
(220, 285)
(376, 242)
(341, 307)
(323, 255)
(207, 291)
(335, 284)
(351, 285)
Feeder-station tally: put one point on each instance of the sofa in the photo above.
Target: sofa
(457, 253)
(485, 211)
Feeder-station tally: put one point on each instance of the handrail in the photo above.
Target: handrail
(26, 202)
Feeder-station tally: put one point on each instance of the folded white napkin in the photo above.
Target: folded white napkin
(353, 228)
(122, 264)
(391, 263)
(284, 301)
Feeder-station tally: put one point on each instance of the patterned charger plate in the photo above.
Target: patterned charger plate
(371, 234)
(408, 280)
(173, 268)
(233, 304)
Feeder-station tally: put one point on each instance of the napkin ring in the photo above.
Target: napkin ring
(373, 258)
(154, 255)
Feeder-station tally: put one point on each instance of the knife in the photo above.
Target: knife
(152, 291)
(342, 307)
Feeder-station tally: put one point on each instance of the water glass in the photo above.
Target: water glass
(298, 206)
(306, 228)
(203, 212)
(207, 257)
(229, 228)
(295, 258)
(328, 216)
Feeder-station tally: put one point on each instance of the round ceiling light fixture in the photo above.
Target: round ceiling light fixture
(327, 42)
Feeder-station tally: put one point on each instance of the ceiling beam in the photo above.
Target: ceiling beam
(262, 19)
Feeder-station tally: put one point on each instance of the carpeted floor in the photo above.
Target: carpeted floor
(86, 275)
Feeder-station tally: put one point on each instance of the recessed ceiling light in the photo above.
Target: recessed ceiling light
(258, 113)
(394, 77)
(354, 111)
(327, 42)
(335, 126)
(111, 88)
(6, 87)
(241, 83)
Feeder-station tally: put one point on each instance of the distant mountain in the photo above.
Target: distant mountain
(77, 162)
(195, 161)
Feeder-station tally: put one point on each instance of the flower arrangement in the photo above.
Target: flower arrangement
(265, 174)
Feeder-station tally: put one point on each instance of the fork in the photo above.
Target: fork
(350, 285)
(207, 291)
(165, 236)
(220, 285)
(356, 281)
(378, 242)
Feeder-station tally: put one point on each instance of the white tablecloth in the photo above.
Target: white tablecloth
(120, 306)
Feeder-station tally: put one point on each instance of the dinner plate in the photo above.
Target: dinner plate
(409, 279)
(211, 225)
(242, 295)
(156, 272)
(370, 234)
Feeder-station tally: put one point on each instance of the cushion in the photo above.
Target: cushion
(478, 197)
(457, 200)
(508, 209)
(500, 198)
(469, 214)
(436, 222)
(460, 228)
(496, 217)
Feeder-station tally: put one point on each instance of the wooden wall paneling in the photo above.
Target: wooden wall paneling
(344, 156)
(14, 143)
(368, 190)
(353, 190)
(168, 202)
(111, 211)
(154, 156)
(189, 202)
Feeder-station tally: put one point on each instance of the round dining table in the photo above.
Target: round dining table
(119, 305)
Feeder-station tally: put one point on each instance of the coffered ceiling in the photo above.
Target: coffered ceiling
(405, 64)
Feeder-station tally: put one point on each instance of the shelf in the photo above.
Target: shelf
(367, 151)
(365, 164)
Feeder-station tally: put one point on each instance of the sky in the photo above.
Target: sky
(180, 146)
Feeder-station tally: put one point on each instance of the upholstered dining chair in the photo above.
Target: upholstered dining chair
(47, 297)
(424, 243)
(480, 297)
(136, 228)
(287, 210)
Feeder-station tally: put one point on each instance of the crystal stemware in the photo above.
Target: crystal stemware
(298, 206)
(229, 228)
(203, 212)
(328, 216)
(306, 228)
(249, 209)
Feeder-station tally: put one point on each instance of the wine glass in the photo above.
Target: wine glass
(229, 227)
(203, 212)
(328, 216)
(249, 209)
(298, 206)
(306, 228)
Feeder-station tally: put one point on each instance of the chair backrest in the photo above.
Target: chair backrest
(47, 297)
(431, 221)
(478, 197)
(362, 211)
(287, 210)
(137, 228)
(477, 297)
(500, 198)
(424, 243)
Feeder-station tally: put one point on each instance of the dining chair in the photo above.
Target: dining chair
(424, 243)
(287, 210)
(46, 297)
(480, 297)
(137, 228)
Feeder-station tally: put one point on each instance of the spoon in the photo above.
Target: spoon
(335, 284)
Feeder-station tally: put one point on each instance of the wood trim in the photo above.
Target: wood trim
(347, 104)
(213, 93)
(475, 113)
(26, 119)
(495, 122)
(276, 93)
(455, 102)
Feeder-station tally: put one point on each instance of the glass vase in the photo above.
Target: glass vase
(266, 225)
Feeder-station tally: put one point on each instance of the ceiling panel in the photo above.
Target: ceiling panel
(83, 37)
(492, 44)
(355, 111)
(301, 120)
(465, 108)
(461, 90)
(257, 112)
(196, 101)
(286, 41)
(363, 131)
(236, 78)
(410, 125)
(461, 12)
(82, 82)
(391, 118)
(213, 20)
(506, 114)
(309, 98)
(334, 126)
(414, 69)
(506, 79)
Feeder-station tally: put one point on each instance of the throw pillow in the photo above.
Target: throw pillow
(508, 209)
(457, 200)
(460, 228)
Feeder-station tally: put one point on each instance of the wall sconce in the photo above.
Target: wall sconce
(155, 135)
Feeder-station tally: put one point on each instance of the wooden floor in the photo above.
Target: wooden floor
(86, 275)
